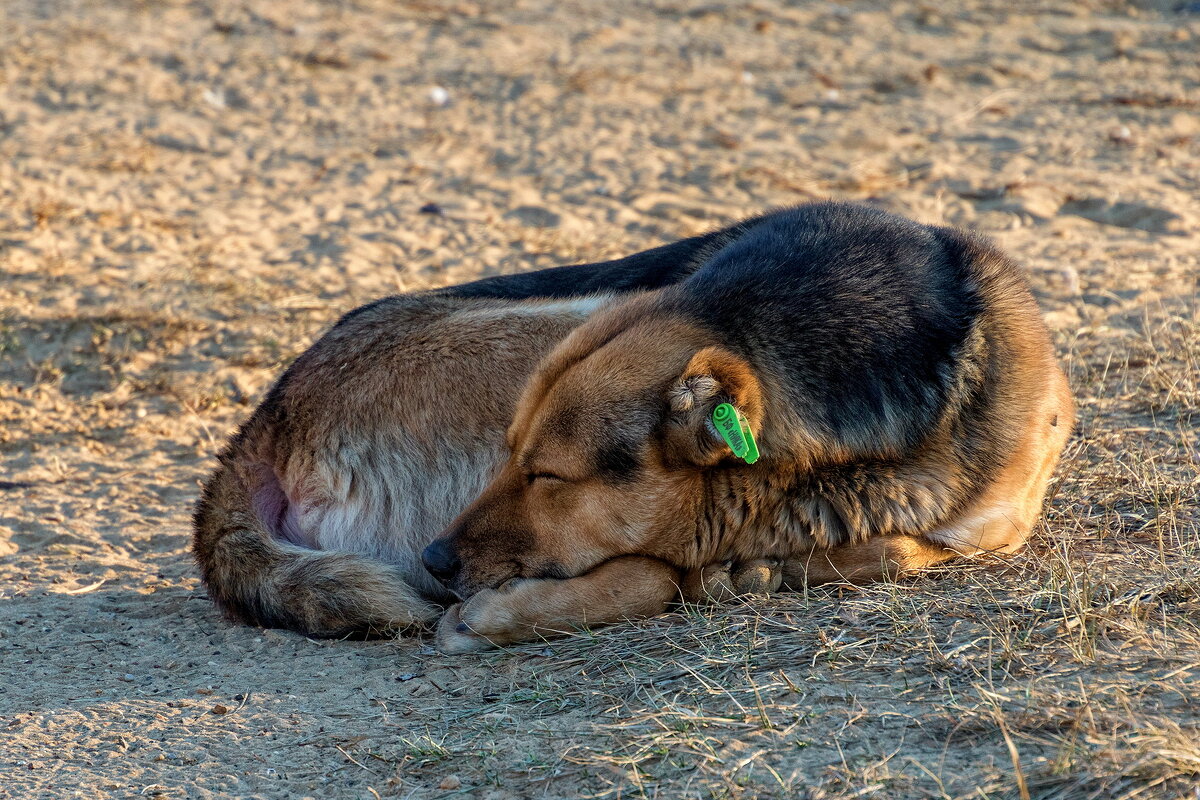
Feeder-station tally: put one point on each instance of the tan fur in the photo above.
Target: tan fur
(624, 588)
(876, 559)
(1001, 519)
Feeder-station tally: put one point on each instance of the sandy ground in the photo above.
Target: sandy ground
(191, 191)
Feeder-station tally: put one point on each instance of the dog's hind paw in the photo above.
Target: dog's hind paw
(761, 576)
(719, 583)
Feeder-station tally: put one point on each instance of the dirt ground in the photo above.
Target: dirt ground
(191, 191)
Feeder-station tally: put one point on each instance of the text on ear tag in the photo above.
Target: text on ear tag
(736, 432)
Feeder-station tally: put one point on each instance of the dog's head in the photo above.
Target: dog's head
(609, 444)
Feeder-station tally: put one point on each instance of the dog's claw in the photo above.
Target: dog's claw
(454, 637)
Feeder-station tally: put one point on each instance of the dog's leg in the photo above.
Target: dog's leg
(255, 574)
(630, 587)
(1001, 519)
(875, 559)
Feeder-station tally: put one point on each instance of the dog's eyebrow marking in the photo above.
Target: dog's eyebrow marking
(617, 462)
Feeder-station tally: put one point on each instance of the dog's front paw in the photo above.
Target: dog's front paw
(485, 620)
(712, 583)
(453, 637)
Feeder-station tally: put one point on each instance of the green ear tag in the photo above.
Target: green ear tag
(736, 432)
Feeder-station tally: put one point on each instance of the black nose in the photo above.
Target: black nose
(441, 559)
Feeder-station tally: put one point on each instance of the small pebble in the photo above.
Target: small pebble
(439, 96)
(215, 98)
(450, 782)
(1070, 277)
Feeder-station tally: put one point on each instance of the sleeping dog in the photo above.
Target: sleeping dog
(841, 391)
(378, 435)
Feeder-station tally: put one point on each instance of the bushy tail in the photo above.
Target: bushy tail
(263, 581)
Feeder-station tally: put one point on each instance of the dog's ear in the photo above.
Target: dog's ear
(713, 376)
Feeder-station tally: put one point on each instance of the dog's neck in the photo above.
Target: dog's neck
(811, 493)
(752, 513)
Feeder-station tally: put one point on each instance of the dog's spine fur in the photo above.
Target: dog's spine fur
(257, 578)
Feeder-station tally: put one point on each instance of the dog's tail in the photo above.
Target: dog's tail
(253, 574)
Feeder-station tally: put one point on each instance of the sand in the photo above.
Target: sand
(190, 192)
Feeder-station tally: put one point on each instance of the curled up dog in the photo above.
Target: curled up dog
(896, 379)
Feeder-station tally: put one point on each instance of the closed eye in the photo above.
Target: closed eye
(544, 476)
